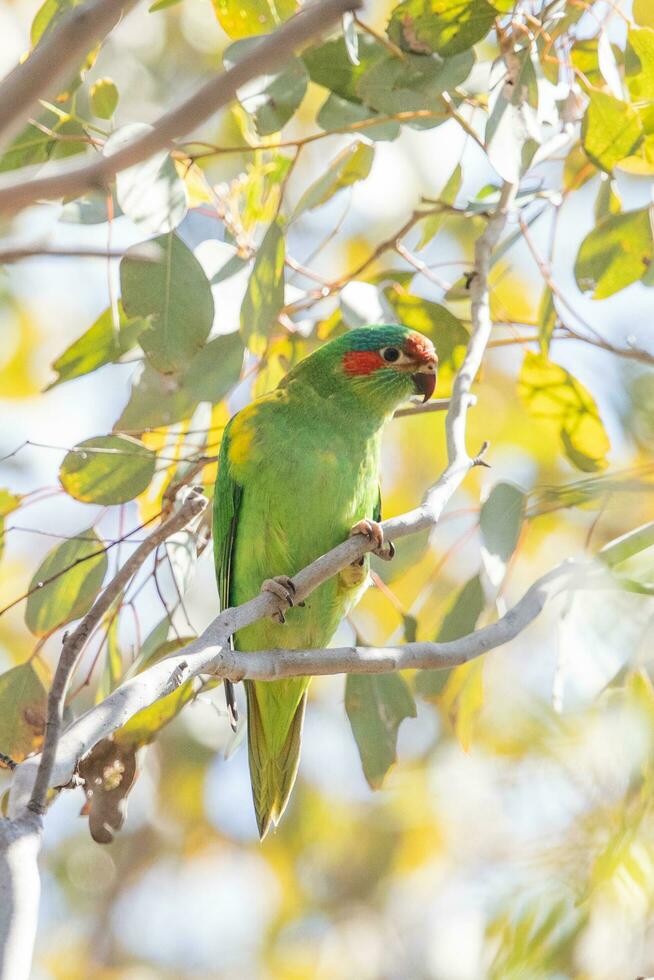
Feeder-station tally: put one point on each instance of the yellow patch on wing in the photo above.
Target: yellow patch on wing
(241, 438)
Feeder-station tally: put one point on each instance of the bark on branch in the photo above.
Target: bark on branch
(54, 59)
(74, 179)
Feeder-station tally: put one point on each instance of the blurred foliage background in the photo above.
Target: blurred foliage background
(513, 837)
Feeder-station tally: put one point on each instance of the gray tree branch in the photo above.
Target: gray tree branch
(273, 51)
(54, 59)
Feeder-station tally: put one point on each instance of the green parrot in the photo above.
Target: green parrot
(298, 472)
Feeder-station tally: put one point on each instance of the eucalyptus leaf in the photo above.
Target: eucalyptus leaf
(175, 293)
(23, 706)
(270, 99)
(107, 470)
(66, 583)
(611, 130)
(615, 254)
(376, 705)
(446, 27)
(351, 165)
(150, 193)
(264, 296)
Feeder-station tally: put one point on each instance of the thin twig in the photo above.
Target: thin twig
(74, 179)
(74, 643)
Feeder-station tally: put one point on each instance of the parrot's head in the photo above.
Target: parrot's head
(378, 366)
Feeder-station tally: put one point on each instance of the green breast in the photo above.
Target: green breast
(311, 474)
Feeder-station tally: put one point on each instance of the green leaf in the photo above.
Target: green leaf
(241, 18)
(144, 726)
(611, 130)
(23, 704)
(338, 113)
(66, 583)
(460, 619)
(8, 502)
(103, 95)
(151, 193)
(433, 222)
(215, 369)
(264, 296)
(643, 13)
(48, 16)
(112, 671)
(608, 200)
(100, 345)
(351, 165)
(446, 27)
(156, 399)
(107, 470)
(554, 396)
(176, 294)
(329, 65)
(616, 253)
(500, 521)
(547, 319)
(270, 99)
(33, 145)
(639, 64)
(392, 86)
(162, 5)
(376, 705)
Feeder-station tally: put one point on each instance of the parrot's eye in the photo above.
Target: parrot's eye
(390, 354)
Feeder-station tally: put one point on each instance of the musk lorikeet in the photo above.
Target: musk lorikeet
(298, 472)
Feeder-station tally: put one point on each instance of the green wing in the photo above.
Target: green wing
(226, 503)
(377, 512)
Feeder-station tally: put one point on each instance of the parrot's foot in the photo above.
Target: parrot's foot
(375, 534)
(284, 588)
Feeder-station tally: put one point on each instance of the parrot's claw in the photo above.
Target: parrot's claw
(375, 534)
(284, 588)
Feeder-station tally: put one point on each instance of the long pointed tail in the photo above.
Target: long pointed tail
(274, 748)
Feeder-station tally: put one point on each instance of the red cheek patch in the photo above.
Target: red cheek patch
(362, 362)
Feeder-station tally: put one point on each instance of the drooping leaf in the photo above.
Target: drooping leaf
(376, 705)
(37, 143)
(616, 253)
(145, 725)
(270, 99)
(264, 296)
(500, 522)
(556, 398)
(23, 704)
(433, 222)
(48, 16)
(547, 319)
(150, 193)
(639, 64)
(8, 502)
(112, 670)
(241, 18)
(103, 95)
(460, 619)
(415, 84)
(155, 399)
(72, 575)
(176, 294)
(338, 113)
(351, 165)
(329, 65)
(215, 369)
(462, 698)
(107, 470)
(446, 27)
(643, 13)
(101, 344)
(108, 773)
(611, 130)
(608, 200)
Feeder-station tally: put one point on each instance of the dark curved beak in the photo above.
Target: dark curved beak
(425, 382)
